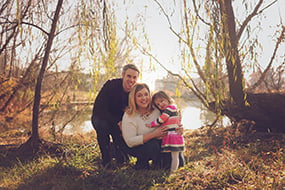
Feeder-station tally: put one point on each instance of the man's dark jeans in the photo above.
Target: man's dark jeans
(104, 129)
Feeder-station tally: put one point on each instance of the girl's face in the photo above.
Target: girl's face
(142, 99)
(161, 103)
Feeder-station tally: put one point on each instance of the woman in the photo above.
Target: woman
(144, 142)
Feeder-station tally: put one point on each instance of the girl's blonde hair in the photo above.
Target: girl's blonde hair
(132, 108)
(161, 94)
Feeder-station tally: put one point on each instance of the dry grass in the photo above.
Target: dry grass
(215, 159)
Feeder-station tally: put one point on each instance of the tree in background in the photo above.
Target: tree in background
(231, 46)
(101, 45)
(85, 33)
(34, 141)
(23, 38)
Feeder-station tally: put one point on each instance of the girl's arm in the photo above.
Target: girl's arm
(163, 117)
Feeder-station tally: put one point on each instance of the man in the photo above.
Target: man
(108, 111)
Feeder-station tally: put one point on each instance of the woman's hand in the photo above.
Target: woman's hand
(179, 130)
(160, 132)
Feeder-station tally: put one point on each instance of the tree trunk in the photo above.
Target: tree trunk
(265, 109)
(235, 74)
(35, 133)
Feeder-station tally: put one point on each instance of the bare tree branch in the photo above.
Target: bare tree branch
(248, 19)
(198, 15)
(21, 82)
(255, 12)
(14, 27)
(169, 22)
(279, 41)
(196, 92)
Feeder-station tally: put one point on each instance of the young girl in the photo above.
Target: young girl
(169, 117)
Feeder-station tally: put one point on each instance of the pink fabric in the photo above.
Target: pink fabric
(170, 118)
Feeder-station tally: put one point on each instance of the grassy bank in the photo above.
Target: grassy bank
(215, 159)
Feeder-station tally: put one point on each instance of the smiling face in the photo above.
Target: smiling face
(161, 103)
(130, 78)
(142, 99)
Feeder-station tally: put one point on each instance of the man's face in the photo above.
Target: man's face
(130, 78)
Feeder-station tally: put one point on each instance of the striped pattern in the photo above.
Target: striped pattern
(170, 118)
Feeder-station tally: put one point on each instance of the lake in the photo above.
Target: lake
(193, 116)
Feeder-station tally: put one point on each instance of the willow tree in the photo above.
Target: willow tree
(97, 39)
(230, 46)
(100, 45)
(231, 53)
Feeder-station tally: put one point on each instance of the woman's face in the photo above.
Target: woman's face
(142, 98)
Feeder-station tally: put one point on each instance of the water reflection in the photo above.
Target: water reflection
(193, 116)
(83, 128)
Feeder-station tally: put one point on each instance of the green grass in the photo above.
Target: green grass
(215, 160)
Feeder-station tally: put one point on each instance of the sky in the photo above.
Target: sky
(164, 43)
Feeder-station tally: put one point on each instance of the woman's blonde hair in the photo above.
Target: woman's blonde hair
(132, 108)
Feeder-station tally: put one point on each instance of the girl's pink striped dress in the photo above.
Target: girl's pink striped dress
(172, 142)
